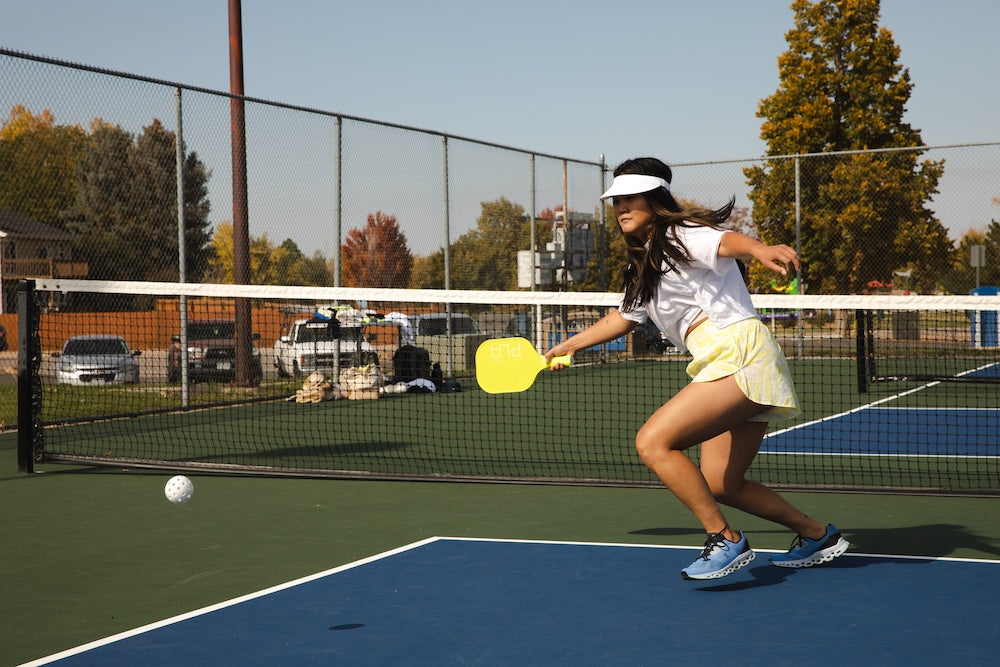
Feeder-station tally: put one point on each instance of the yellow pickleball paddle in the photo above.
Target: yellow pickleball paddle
(505, 365)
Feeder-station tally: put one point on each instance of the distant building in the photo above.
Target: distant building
(562, 260)
(32, 249)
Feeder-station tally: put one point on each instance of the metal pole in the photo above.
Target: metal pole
(536, 319)
(602, 276)
(449, 361)
(566, 253)
(339, 226)
(337, 258)
(179, 169)
(534, 241)
(447, 219)
(182, 354)
(800, 325)
(241, 224)
(798, 216)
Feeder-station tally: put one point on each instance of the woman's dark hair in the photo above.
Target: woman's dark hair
(660, 250)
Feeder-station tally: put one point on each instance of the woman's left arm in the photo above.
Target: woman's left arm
(775, 257)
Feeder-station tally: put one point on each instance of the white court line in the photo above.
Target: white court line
(860, 408)
(871, 405)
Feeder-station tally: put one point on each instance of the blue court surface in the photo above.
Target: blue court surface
(966, 432)
(447, 601)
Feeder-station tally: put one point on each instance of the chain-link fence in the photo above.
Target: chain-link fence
(89, 182)
(89, 188)
(901, 220)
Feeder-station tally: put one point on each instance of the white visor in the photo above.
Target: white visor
(633, 184)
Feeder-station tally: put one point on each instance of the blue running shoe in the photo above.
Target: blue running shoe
(719, 558)
(806, 552)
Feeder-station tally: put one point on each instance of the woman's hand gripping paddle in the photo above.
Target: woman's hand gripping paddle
(505, 365)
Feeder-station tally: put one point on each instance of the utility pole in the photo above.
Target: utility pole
(241, 223)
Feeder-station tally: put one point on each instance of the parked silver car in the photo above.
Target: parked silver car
(93, 360)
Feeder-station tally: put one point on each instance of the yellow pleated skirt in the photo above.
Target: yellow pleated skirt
(748, 351)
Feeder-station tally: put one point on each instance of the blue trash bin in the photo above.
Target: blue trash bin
(985, 332)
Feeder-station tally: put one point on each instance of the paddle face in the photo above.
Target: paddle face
(505, 365)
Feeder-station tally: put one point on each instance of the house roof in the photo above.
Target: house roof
(15, 225)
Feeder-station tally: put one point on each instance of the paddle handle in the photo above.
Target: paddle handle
(564, 359)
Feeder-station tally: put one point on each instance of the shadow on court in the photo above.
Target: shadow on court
(936, 540)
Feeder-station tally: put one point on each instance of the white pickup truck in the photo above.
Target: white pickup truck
(310, 345)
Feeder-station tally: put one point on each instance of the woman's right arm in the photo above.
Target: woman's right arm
(609, 327)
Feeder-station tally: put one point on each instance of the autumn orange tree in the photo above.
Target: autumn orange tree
(863, 215)
(376, 255)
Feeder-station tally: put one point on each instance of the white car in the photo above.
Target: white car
(96, 360)
(312, 345)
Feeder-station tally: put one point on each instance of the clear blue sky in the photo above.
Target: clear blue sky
(677, 79)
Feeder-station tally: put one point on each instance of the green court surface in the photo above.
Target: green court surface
(89, 552)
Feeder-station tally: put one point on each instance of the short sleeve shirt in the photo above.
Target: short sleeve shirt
(709, 284)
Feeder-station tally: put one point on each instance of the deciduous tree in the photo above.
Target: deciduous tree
(377, 255)
(963, 276)
(37, 159)
(486, 257)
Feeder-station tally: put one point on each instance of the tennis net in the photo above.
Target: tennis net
(380, 383)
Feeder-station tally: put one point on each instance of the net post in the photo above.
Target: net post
(29, 390)
(870, 353)
(861, 328)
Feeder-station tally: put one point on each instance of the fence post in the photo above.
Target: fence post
(447, 217)
(449, 360)
(602, 276)
(182, 353)
(799, 323)
(534, 240)
(340, 204)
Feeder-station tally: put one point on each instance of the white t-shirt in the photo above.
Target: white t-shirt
(709, 284)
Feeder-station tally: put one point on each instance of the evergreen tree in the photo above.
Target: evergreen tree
(863, 215)
(125, 209)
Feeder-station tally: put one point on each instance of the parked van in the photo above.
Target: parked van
(454, 349)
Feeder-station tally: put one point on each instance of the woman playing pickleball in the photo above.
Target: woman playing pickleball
(683, 275)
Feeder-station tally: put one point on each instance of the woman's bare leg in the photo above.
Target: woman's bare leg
(698, 412)
(724, 462)
(716, 414)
